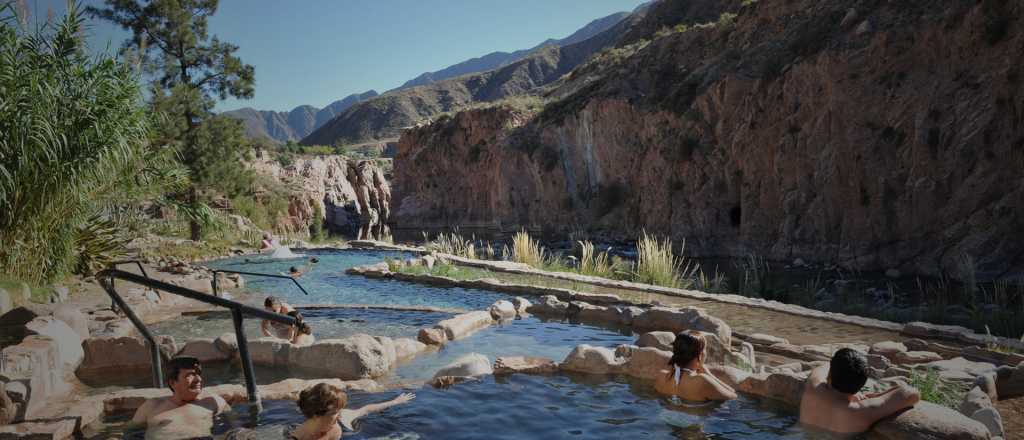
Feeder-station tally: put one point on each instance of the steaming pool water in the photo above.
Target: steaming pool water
(513, 407)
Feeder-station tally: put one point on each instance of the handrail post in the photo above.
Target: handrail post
(243, 353)
(214, 284)
(154, 349)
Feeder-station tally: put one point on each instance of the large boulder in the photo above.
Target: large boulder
(75, 319)
(69, 343)
(677, 320)
(470, 365)
(888, 348)
(227, 343)
(928, 421)
(643, 362)
(271, 352)
(521, 304)
(356, 357)
(915, 357)
(432, 336)
(460, 326)
(659, 340)
(549, 305)
(406, 348)
(205, 350)
(595, 360)
(502, 310)
(119, 356)
(960, 369)
(35, 366)
(1010, 381)
(782, 386)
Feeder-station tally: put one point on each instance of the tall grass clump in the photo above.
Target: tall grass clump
(452, 244)
(656, 264)
(526, 250)
(594, 263)
(936, 390)
(73, 136)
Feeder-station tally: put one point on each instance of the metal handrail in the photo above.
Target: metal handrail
(106, 280)
(267, 275)
(113, 304)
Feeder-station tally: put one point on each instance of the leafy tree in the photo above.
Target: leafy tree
(191, 70)
(73, 136)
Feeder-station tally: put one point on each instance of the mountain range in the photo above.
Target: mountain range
(295, 124)
(493, 76)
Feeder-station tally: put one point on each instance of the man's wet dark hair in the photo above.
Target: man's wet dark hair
(848, 371)
(293, 269)
(299, 323)
(174, 367)
(271, 301)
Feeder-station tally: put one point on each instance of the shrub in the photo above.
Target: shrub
(72, 144)
(452, 244)
(657, 265)
(593, 263)
(527, 251)
(936, 390)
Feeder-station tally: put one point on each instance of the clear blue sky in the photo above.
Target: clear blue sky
(317, 51)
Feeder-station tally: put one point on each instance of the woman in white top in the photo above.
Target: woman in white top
(688, 378)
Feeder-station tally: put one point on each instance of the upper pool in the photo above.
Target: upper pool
(327, 282)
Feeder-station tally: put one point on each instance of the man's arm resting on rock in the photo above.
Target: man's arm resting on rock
(889, 402)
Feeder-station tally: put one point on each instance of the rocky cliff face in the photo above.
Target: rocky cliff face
(867, 133)
(353, 196)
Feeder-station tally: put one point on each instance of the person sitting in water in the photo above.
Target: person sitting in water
(188, 412)
(314, 260)
(267, 243)
(832, 399)
(272, 328)
(689, 379)
(301, 333)
(323, 405)
(296, 272)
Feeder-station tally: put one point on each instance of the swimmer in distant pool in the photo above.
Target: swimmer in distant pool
(323, 405)
(188, 412)
(689, 379)
(296, 272)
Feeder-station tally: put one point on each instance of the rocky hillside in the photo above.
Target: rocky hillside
(871, 134)
(494, 60)
(386, 115)
(352, 195)
(295, 124)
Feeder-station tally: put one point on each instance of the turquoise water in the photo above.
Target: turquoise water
(327, 282)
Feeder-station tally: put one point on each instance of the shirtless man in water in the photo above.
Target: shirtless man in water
(832, 400)
(188, 412)
(276, 329)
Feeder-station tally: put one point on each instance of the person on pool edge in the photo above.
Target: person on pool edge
(689, 378)
(188, 412)
(323, 405)
(832, 400)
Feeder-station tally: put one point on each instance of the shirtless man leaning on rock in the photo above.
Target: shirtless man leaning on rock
(832, 400)
(188, 412)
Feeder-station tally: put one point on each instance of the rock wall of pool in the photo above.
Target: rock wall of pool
(548, 366)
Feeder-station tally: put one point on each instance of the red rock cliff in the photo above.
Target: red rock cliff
(872, 134)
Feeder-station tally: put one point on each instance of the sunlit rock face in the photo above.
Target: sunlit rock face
(791, 133)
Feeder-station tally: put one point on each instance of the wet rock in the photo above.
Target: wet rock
(915, 357)
(470, 365)
(356, 357)
(205, 350)
(930, 421)
(40, 430)
(521, 304)
(502, 310)
(595, 360)
(75, 319)
(524, 365)
(659, 340)
(549, 305)
(677, 320)
(227, 343)
(432, 336)
(465, 324)
(406, 348)
(763, 339)
(785, 387)
(69, 343)
(642, 362)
